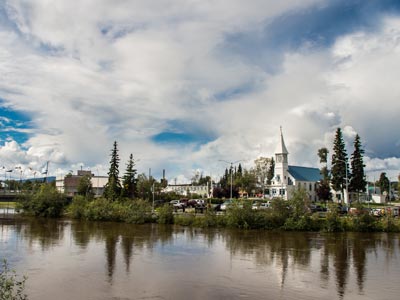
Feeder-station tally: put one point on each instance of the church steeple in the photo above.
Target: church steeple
(281, 152)
(281, 147)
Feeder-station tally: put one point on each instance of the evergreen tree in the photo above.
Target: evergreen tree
(239, 171)
(129, 180)
(113, 186)
(271, 171)
(357, 182)
(339, 162)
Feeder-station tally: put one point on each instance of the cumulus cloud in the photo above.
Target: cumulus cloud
(96, 72)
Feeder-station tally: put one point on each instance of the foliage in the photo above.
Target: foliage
(165, 214)
(45, 202)
(323, 155)
(129, 180)
(113, 187)
(357, 182)
(101, 209)
(304, 223)
(299, 204)
(271, 170)
(333, 222)
(77, 207)
(240, 216)
(324, 187)
(324, 190)
(11, 287)
(138, 212)
(383, 182)
(85, 187)
(144, 187)
(339, 162)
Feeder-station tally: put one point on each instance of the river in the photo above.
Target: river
(66, 259)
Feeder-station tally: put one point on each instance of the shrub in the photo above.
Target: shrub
(77, 208)
(240, 216)
(304, 223)
(363, 223)
(333, 222)
(165, 214)
(185, 220)
(137, 212)
(11, 287)
(45, 202)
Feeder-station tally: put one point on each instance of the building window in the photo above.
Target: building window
(310, 187)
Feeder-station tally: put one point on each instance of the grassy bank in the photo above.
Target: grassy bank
(7, 204)
(282, 215)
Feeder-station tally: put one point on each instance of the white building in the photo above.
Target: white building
(289, 178)
(188, 189)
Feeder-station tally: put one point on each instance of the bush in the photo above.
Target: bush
(185, 220)
(240, 216)
(11, 288)
(137, 212)
(102, 209)
(165, 214)
(333, 222)
(77, 208)
(304, 223)
(45, 202)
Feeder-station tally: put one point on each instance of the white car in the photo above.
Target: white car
(263, 205)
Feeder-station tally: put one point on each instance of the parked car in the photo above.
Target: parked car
(262, 205)
(177, 204)
(224, 206)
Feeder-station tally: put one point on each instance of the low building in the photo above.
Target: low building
(187, 189)
(69, 183)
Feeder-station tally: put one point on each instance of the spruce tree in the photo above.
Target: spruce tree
(339, 162)
(113, 186)
(129, 179)
(357, 182)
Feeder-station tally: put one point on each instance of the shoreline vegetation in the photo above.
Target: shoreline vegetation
(290, 215)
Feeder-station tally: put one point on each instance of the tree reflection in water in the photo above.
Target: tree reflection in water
(340, 255)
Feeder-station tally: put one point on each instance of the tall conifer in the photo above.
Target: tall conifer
(129, 182)
(357, 182)
(339, 163)
(113, 186)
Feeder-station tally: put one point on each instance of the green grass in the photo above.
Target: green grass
(7, 204)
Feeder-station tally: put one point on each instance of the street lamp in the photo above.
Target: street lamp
(230, 162)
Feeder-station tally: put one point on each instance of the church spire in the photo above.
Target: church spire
(281, 148)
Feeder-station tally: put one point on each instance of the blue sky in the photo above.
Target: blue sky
(182, 86)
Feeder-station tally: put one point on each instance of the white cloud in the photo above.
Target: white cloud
(99, 72)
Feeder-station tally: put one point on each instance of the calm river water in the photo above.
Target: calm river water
(88, 260)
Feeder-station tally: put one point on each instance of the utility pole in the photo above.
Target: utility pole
(231, 170)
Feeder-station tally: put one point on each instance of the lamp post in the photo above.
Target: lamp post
(230, 162)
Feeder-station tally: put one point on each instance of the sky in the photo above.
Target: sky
(190, 85)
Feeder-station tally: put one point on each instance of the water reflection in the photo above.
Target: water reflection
(323, 259)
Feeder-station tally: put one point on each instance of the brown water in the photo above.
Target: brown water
(87, 260)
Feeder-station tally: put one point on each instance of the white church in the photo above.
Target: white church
(288, 178)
